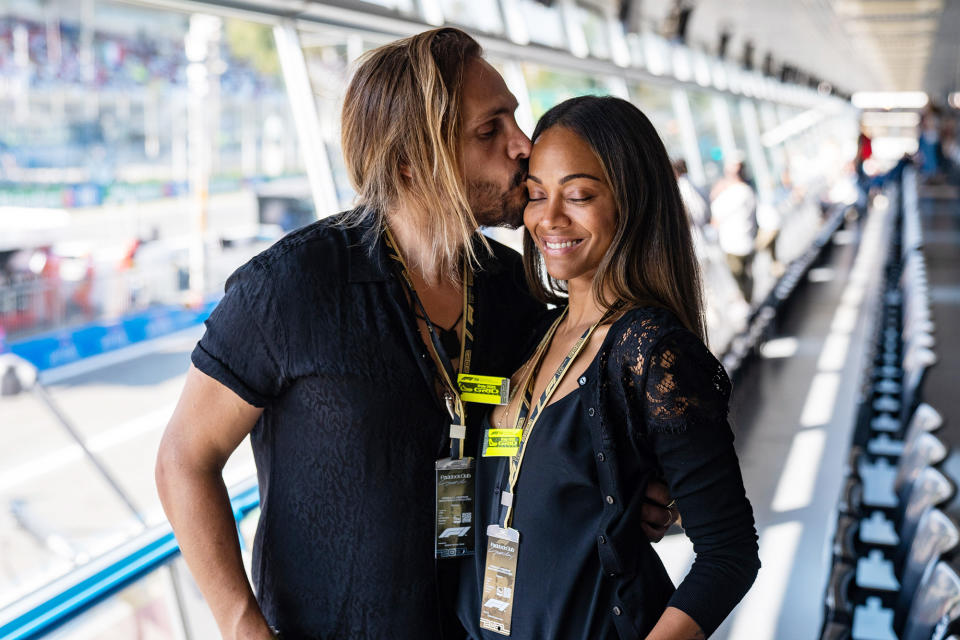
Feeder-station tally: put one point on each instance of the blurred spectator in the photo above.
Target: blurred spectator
(864, 152)
(950, 150)
(928, 143)
(733, 208)
(698, 209)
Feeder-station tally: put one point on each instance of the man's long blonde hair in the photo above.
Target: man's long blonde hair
(402, 111)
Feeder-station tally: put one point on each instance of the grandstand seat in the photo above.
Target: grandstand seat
(835, 631)
(936, 535)
(890, 575)
(930, 489)
(876, 562)
(873, 621)
(884, 484)
(921, 450)
(936, 604)
(924, 419)
(916, 363)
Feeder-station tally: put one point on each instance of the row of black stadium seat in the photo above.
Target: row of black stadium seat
(892, 574)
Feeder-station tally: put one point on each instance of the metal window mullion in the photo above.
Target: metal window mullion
(431, 12)
(576, 38)
(514, 24)
(517, 83)
(758, 161)
(688, 136)
(721, 115)
(178, 607)
(619, 50)
(306, 119)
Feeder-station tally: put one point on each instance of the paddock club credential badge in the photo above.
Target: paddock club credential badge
(454, 508)
(499, 579)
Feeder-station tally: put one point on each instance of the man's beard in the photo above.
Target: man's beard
(495, 208)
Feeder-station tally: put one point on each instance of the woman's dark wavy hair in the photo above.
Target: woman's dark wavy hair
(651, 259)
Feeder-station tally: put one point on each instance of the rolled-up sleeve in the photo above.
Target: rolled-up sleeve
(243, 346)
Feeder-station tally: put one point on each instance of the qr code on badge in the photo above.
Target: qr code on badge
(466, 518)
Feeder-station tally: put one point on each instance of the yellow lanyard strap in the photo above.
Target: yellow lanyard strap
(440, 358)
(517, 460)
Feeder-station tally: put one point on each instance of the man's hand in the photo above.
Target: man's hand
(658, 511)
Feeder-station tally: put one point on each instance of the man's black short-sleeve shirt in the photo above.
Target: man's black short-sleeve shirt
(317, 330)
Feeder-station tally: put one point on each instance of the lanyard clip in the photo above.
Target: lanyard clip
(448, 398)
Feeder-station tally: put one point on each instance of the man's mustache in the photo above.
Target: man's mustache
(520, 176)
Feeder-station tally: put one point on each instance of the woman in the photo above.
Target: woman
(621, 390)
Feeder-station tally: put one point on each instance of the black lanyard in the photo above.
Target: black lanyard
(527, 409)
(440, 357)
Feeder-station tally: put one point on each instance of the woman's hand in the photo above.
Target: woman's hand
(658, 511)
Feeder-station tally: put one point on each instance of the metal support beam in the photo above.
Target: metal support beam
(306, 119)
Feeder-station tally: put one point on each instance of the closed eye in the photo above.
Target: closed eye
(535, 195)
(487, 132)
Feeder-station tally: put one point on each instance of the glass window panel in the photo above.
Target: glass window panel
(403, 6)
(544, 24)
(738, 129)
(595, 31)
(776, 156)
(548, 87)
(477, 14)
(147, 608)
(708, 138)
(111, 117)
(107, 112)
(736, 121)
(330, 56)
(656, 102)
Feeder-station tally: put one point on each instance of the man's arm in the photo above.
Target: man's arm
(657, 512)
(209, 423)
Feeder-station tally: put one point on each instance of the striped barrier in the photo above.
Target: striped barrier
(65, 346)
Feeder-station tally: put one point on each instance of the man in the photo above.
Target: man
(733, 209)
(334, 350)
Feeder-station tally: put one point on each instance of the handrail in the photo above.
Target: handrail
(58, 602)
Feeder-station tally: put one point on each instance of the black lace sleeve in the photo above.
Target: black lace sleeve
(677, 395)
(685, 384)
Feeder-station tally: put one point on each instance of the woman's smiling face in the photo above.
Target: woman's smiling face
(571, 214)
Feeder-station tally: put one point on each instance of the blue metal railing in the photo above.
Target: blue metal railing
(71, 344)
(62, 600)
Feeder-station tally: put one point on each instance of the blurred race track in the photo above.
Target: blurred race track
(56, 509)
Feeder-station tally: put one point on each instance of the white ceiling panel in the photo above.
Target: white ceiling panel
(889, 45)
